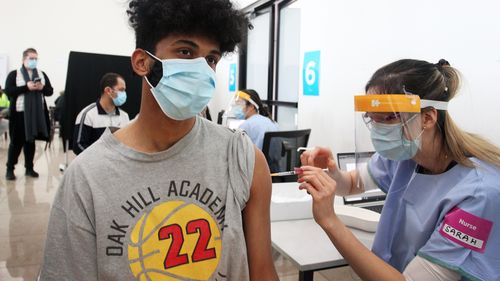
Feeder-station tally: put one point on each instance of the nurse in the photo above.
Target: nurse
(440, 220)
(257, 118)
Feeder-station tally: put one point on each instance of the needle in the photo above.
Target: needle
(290, 173)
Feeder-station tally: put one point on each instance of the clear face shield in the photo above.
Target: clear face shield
(235, 111)
(389, 124)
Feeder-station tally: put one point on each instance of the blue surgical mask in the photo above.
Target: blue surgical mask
(388, 141)
(120, 99)
(239, 113)
(185, 88)
(32, 63)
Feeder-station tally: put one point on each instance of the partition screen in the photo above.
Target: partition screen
(82, 85)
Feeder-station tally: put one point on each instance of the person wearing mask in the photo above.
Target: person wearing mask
(258, 121)
(440, 219)
(172, 196)
(27, 88)
(104, 113)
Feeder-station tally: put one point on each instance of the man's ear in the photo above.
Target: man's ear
(429, 118)
(140, 62)
(108, 90)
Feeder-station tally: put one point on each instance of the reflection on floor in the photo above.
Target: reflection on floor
(24, 210)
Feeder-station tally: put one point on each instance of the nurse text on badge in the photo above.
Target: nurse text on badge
(466, 229)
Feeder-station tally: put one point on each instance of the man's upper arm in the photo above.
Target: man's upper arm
(70, 250)
(82, 132)
(81, 137)
(256, 223)
(71, 247)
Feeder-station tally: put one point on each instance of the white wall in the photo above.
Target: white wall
(57, 27)
(358, 37)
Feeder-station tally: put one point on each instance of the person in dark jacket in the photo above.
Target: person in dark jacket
(29, 117)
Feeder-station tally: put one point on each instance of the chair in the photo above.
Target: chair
(280, 150)
(52, 127)
(219, 117)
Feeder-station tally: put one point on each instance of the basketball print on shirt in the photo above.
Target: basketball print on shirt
(176, 240)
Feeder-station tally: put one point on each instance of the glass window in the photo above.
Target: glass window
(287, 118)
(289, 54)
(258, 55)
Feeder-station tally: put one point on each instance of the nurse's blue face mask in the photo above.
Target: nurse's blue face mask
(182, 87)
(390, 142)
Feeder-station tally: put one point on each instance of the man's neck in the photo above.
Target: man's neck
(152, 131)
(107, 104)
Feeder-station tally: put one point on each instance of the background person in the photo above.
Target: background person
(59, 106)
(440, 219)
(4, 100)
(4, 113)
(104, 113)
(186, 198)
(258, 121)
(29, 116)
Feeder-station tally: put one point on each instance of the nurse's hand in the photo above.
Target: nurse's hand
(322, 189)
(320, 157)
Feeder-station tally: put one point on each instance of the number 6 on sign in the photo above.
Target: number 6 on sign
(310, 77)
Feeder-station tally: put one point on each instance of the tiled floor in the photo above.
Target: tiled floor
(24, 209)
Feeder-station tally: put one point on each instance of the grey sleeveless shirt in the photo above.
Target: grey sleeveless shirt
(120, 214)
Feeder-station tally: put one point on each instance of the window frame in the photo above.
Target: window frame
(256, 9)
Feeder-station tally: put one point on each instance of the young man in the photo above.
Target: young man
(104, 113)
(29, 117)
(172, 196)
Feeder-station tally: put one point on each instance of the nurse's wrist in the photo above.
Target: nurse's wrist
(330, 224)
(335, 174)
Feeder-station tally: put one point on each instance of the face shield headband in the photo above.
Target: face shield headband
(395, 103)
(392, 124)
(246, 97)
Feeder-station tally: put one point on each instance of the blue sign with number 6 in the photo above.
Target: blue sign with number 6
(232, 77)
(310, 77)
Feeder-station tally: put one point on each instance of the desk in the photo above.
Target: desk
(308, 247)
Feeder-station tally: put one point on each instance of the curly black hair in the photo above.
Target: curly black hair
(218, 20)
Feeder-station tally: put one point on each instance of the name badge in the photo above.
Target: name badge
(466, 229)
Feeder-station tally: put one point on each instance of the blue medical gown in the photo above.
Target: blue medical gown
(416, 206)
(256, 126)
